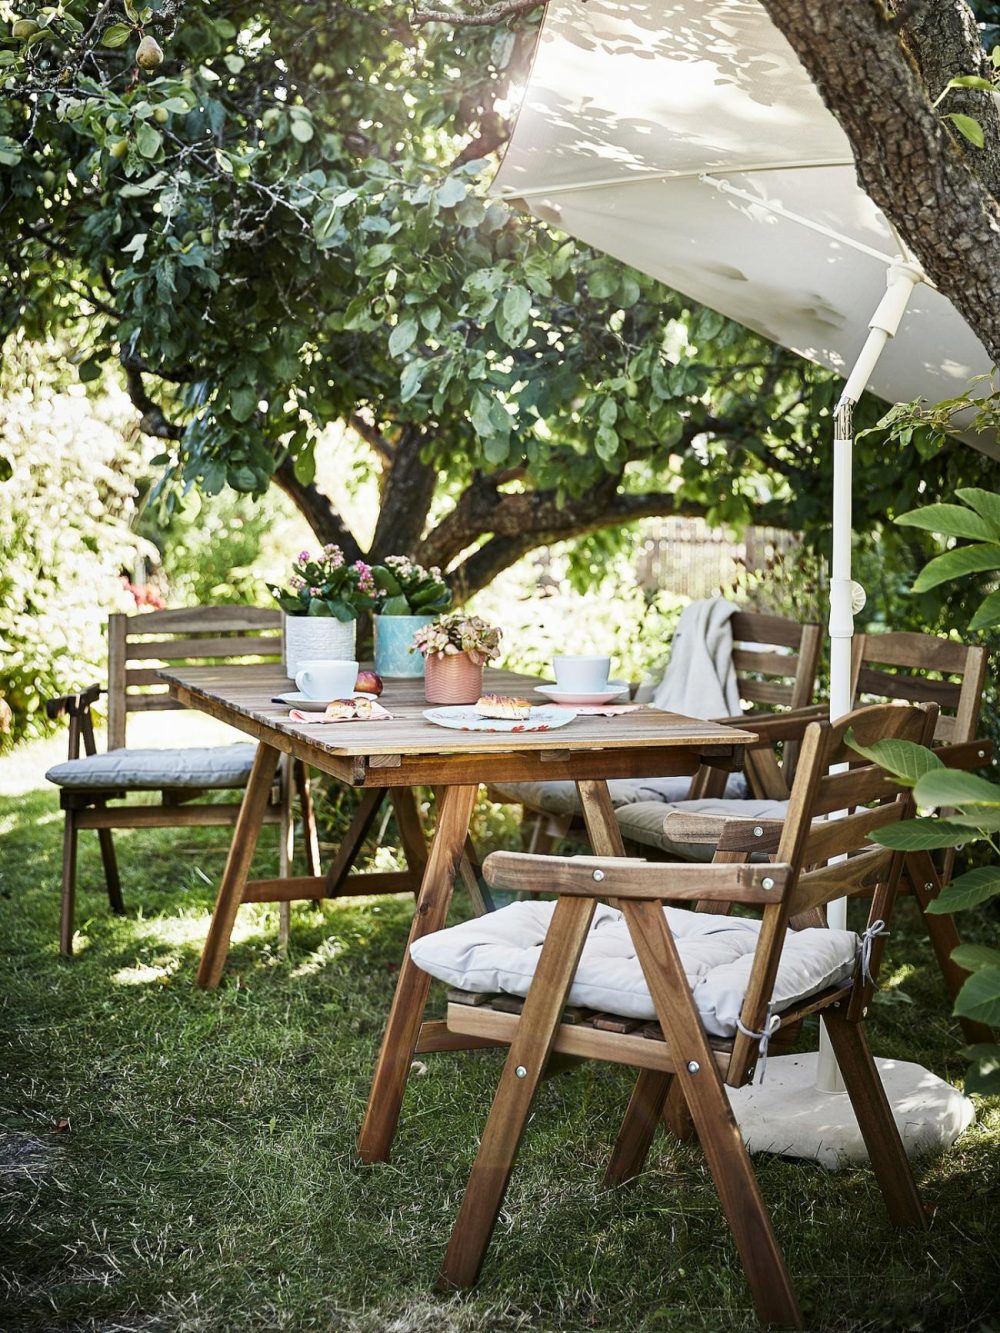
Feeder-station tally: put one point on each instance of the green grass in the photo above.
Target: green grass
(207, 1178)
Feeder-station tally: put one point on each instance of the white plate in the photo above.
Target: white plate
(615, 689)
(296, 699)
(463, 717)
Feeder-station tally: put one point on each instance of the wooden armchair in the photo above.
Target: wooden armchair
(92, 784)
(646, 1014)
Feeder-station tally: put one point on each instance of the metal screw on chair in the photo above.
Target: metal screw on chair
(758, 832)
(693, 1067)
(767, 883)
(521, 1072)
(598, 875)
(928, 887)
(864, 1012)
(982, 754)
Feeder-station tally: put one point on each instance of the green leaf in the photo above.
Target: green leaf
(243, 479)
(979, 998)
(983, 1074)
(517, 305)
(986, 503)
(987, 613)
(395, 606)
(115, 36)
(304, 467)
(302, 129)
(403, 336)
(956, 563)
(243, 404)
(921, 835)
(148, 139)
(968, 128)
(969, 890)
(903, 759)
(951, 786)
(971, 81)
(950, 521)
(452, 192)
(6, 468)
(10, 151)
(974, 956)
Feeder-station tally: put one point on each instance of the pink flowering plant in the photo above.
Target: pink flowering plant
(459, 633)
(326, 585)
(407, 589)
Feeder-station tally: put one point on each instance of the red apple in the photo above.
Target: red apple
(369, 682)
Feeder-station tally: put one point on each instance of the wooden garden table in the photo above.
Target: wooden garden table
(390, 759)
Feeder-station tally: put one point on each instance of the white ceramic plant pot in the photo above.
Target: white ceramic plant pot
(317, 638)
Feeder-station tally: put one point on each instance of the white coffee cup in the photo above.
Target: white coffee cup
(332, 679)
(582, 675)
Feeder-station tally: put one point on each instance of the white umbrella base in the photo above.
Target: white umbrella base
(789, 1116)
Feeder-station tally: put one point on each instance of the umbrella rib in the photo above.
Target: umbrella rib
(641, 178)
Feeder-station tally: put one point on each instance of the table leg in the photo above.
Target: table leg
(599, 816)
(234, 877)
(403, 1027)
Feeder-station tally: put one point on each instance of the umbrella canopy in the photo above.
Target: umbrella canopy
(685, 138)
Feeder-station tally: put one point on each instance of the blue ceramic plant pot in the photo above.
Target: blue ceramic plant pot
(393, 641)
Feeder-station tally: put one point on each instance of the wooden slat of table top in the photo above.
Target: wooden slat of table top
(235, 692)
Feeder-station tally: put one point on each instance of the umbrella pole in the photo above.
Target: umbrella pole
(901, 278)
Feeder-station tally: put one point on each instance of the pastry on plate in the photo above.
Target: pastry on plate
(349, 708)
(505, 708)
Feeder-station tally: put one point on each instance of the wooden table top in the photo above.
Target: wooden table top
(242, 696)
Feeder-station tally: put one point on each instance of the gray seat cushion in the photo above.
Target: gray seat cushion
(645, 822)
(560, 798)
(149, 770)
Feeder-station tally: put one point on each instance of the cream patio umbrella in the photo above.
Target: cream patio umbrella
(685, 138)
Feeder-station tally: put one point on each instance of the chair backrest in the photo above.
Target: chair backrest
(829, 858)
(138, 645)
(949, 674)
(776, 659)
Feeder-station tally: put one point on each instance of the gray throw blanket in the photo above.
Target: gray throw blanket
(700, 679)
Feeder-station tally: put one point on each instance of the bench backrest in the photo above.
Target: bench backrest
(139, 644)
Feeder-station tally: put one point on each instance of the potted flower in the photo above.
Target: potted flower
(409, 597)
(455, 648)
(322, 600)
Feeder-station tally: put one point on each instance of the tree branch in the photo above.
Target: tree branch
(152, 420)
(407, 493)
(483, 18)
(317, 511)
(373, 436)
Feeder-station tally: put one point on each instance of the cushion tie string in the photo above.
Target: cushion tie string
(868, 938)
(771, 1025)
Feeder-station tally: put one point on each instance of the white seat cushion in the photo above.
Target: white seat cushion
(560, 798)
(645, 822)
(500, 951)
(149, 770)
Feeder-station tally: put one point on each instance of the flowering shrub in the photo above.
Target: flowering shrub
(459, 633)
(327, 586)
(406, 589)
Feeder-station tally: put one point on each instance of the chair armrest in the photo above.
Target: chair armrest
(771, 727)
(72, 705)
(966, 754)
(724, 832)
(627, 878)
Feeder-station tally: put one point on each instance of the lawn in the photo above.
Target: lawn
(177, 1160)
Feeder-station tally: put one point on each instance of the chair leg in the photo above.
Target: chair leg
(701, 1082)
(310, 836)
(519, 1081)
(638, 1129)
(677, 1115)
(70, 839)
(878, 1128)
(111, 871)
(286, 851)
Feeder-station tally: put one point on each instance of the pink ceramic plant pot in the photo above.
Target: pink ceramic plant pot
(452, 678)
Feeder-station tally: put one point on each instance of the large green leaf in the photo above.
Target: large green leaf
(921, 835)
(952, 786)
(987, 613)
(985, 503)
(903, 759)
(974, 956)
(979, 998)
(983, 1074)
(969, 890)
(955, 564)
(950, 521)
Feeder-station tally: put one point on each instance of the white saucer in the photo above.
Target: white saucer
(614, 690)
(296, 699)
